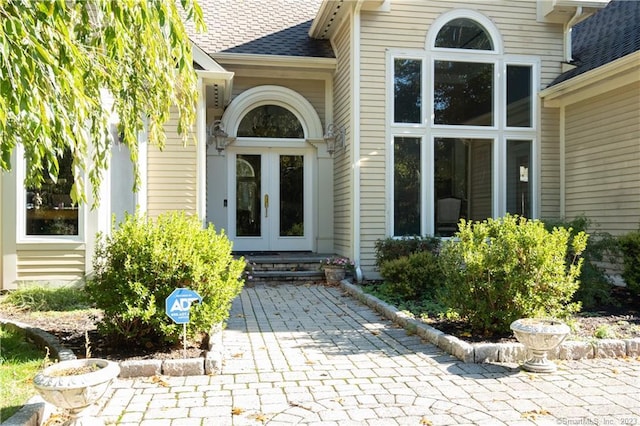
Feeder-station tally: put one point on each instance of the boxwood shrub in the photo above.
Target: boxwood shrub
(630, 247)
(143, 260)
(499, 270)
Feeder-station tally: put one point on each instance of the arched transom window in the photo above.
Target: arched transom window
(270, 121)
(463, 128)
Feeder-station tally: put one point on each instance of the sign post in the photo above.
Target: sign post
(177, 307)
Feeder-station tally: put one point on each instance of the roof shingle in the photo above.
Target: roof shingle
(610, 34)
(263, 27)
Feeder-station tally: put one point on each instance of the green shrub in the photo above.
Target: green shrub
(504, 269)
(143, 261)
(595, 286)
(630, 246)
(395, 248)
(412, 276)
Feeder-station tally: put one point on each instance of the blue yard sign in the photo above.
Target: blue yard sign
(179, 303)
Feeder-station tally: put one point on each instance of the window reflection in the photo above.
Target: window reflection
(406, 186)
(49, 209)
(270, 121)
(407, 104)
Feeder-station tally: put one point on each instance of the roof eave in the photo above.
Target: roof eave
(619, 72)
(276, 60)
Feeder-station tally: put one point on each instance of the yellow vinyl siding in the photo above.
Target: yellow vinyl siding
(312, 90)
(172, 174)
(343, 193)
(406, 27)
(603, 160)
(50, 263)
(549, 195)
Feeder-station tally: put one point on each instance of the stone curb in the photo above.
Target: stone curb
(210, 364)
(493, 352)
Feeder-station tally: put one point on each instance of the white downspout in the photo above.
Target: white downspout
(355, 78)
(567, 34)
(562, 162)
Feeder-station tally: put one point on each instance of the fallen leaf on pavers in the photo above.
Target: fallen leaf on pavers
(615, 371)
(338, 400)
(309, 362)
(238, 355)
(236, 411)
(534, 414)
(259, 417)
(425, 421)
(240, 316)
(532, 376)
(262, 348)
(375, 332)
(57, 419)
(295, 404)
(159, 381)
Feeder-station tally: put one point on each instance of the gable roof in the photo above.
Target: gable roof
(260, 27)
(610, 34)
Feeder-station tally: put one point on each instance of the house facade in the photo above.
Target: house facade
(324, 126)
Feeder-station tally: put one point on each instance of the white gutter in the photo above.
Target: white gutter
(279, 60)
(355, 90)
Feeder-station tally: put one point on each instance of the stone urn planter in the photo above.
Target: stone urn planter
(75, 385)
(334, 274)
(539, 336)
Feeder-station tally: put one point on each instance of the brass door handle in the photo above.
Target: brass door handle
(266, 205)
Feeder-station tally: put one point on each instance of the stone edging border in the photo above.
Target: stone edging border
(493, 352)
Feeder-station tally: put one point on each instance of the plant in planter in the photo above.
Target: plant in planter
(75, 385)
(336, 267)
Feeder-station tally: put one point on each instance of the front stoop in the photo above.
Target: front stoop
(494, 352)
(285, 268)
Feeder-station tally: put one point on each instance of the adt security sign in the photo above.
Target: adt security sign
(178, 304)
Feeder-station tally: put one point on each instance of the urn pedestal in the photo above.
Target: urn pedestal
(75, 385)
(539, 336)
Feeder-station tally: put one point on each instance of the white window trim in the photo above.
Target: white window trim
(21, 223)
(427, 131)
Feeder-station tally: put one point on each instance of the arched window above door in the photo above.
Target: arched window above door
(270, 121)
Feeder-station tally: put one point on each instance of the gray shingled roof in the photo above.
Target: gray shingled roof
(262, 27)
(610, 34)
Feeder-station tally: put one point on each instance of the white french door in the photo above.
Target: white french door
(270, 199)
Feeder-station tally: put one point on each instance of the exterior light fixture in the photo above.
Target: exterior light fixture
(334, 137)
(218, 136)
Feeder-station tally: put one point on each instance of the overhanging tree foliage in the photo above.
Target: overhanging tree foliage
(60, 60)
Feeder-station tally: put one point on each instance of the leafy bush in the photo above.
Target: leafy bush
(504, 269)
(143, 261)
(595, 286)
(395, 248)
(630, 246)
(412, 276)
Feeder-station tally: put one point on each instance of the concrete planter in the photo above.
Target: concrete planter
(539, 336)
(60, 385)
(334, 274)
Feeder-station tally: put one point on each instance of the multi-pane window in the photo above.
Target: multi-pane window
(48, 208)
(468, 152)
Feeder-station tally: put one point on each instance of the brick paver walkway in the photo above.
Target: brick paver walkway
(311, 355)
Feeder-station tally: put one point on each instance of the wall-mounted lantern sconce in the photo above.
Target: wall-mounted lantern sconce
(217, 136)
(334, 137)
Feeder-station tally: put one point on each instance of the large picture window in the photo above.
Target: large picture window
(473, 107)
(49, 209)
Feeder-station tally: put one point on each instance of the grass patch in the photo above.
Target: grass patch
(40, 299)
(19, 363)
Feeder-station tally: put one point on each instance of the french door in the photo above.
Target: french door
(270, 199)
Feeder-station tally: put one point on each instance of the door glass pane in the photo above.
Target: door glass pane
(463, 182)
(407, 104)
(463, 93)
(248, 191)
(518, 177)
(406, 186)
(518, 96)
(291, 195)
